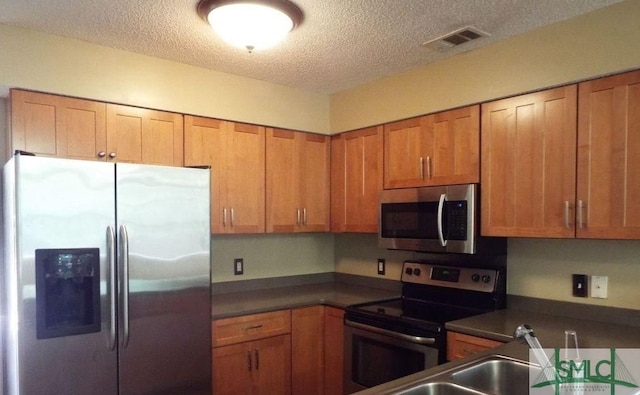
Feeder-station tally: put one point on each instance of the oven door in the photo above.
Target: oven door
(374, 356)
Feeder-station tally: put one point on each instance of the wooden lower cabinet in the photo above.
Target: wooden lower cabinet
(252, 354)
(307, 350)
(460, 345)
(258, 367)
(333, 350)
(298, 351)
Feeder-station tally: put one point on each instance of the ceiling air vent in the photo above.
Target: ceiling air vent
(455, 38)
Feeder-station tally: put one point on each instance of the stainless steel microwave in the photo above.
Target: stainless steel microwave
(434, 219)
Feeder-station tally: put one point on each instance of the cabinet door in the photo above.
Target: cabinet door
(245, 176)
(232, 369)
(283, 210)
(455, 154)
(307, 350)
(51, 125)
(609, 158)
(314, 158)
(204, 145)
(272, 366)
(139, 135)
(460, 345)
(528, 164)
(404, 153)
(356, 180)
(333, 350)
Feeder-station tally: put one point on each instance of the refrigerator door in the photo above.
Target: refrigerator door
(65, 206)
(164, 247)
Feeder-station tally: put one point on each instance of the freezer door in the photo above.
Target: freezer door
(64, 206)
(164, 248)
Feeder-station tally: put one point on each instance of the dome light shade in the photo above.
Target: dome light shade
(251, 25)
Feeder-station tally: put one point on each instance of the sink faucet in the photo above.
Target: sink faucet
(525, 332)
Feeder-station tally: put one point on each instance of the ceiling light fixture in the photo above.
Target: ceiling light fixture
(251, 24)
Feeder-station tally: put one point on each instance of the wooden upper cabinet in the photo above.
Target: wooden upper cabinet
(236, 154)
(528, 164)
(65, 127)
(404, 155)
(297, 191)
(57, 126)
(435, 149)
(356, 180)
(139, 135)
(454, 138)
(609, 157)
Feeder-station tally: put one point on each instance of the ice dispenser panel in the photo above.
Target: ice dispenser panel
(67, 292)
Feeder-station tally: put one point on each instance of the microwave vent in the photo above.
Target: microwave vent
(455, 38)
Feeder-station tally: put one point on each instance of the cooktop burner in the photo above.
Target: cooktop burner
(434, 313)
(433, 295)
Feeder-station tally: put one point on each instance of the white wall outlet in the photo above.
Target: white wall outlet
(599, 287)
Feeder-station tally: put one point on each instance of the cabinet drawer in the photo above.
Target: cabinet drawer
(460, 345)
(250, 327)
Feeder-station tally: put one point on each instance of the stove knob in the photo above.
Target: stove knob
(486, 278)
(409, 271)
(417, 272)
(475, 277)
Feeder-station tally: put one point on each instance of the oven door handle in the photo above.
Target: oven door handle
(386, 332)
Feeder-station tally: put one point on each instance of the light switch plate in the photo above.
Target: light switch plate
(381, 266)
(238, 266)
(580, 282)
(599, 287)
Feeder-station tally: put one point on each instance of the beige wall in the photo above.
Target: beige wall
(537, 268)
(272, 255)
(598, 43)
(604, 41)
(43, 62)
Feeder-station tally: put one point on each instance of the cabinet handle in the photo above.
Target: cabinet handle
(567, 208)
(257, 355)
(580, 218)
(298, 216)
(249, 360)
(304, 216)
(421, 168)
(232, 217)
(253, 327)
(429, 167)
(112, 155)
(224, 217)
(102, 154)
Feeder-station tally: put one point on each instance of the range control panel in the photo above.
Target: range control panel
(474, 279)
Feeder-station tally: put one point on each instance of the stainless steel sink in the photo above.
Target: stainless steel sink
(496, 376)
(442, 388)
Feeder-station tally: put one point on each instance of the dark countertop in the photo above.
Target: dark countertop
(499, 325)
(549, 329)
(336, 294)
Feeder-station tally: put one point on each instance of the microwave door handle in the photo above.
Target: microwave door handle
(443, 197)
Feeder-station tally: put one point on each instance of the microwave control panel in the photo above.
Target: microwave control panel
(474, 279)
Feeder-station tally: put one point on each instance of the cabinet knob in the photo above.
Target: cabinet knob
(102, 154)
(112, 155)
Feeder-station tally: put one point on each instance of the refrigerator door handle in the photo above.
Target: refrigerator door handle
(111, 250)
(124, 283)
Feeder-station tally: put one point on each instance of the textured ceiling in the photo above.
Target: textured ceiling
(340, 44)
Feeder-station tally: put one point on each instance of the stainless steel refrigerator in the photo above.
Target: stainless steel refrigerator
(106, 286)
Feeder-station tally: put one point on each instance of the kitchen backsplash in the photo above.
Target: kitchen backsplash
(539, 268)
(271, 255)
